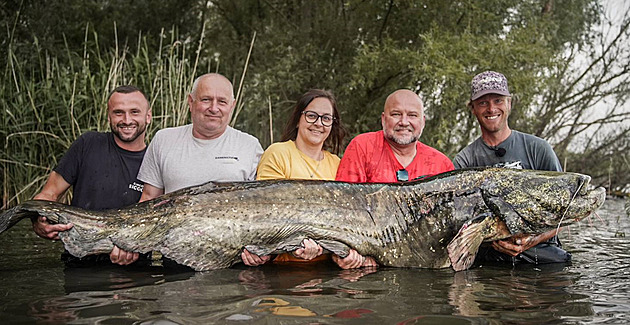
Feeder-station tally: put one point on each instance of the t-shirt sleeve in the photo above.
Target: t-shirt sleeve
(462, 160)
(447, 165)
(150, 170)
(458, 162)
(430, 161)
(70, 163)
(548, 159)
(271, 165)
(353, 164)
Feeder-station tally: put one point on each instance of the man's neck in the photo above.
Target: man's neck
(135, 145)
(207, 135)
(404, 153)
(496, 138)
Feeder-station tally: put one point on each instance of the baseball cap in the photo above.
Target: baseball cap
(488, 82)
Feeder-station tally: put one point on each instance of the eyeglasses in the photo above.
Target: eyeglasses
(402, 175)
(311, 117)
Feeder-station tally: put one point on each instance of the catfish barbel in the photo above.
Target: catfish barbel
(431, 223)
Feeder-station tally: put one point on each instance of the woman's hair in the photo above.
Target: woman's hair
(337, 131)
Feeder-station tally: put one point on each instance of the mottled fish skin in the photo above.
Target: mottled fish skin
(401, 224)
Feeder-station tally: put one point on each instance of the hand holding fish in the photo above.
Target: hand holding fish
(46, 230)
(122, 257)
(354, 260)
(519, 243)
(513, 245)
(309, 250)
(251, 259)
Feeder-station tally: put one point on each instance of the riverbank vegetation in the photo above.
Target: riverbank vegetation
(567, 63)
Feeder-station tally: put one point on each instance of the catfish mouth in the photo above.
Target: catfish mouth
(537, 201)
(584, 204)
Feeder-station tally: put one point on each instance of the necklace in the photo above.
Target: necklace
(308, 167)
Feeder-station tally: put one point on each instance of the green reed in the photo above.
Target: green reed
(47, 104)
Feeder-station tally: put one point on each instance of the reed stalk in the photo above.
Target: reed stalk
(47, 104)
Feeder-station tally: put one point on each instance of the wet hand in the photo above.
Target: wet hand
(516, 244)
(354, 260)
(46, 230)
(252, 259)
(122, 257)
(309, 250)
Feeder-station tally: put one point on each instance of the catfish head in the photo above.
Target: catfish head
(533, 201)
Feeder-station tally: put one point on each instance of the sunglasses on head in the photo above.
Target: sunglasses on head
(402, 175)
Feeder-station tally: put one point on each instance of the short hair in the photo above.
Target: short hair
(127, 89)
(207, 75)
(337, 131)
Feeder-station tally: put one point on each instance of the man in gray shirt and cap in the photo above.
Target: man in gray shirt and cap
(500, 146)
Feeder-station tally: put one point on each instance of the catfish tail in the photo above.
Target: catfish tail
(55, 212)
(10, 217)
(90, 232)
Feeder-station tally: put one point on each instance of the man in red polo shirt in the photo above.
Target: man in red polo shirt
(394, 154)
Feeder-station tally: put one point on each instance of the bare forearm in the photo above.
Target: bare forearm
(547, 235)
(46, 196)
(150, 192)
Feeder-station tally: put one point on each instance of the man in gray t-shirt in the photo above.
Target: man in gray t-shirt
(518, 150)
(206, 150)
(499, 146)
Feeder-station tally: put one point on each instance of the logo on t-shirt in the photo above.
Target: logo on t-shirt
(510, 164)
(226, 158)
(136, 187)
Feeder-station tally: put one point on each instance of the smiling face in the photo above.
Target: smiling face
(492, 112)
(128, 116)
(403, 117)
(211, 104)
(314, 134)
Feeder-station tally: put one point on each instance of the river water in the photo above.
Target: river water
(594, 289)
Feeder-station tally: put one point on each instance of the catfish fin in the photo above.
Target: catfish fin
(514, 222)
(464, 246)
(285, 246)
(258, 250)
(291, 244)
(334, 247)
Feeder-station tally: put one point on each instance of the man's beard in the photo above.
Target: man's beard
(116, 131)
(402, 140)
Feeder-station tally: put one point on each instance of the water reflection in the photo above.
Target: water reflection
(527, 294)
(116, 277)
(298, 279)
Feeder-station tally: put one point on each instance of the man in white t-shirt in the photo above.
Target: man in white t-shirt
(206, 150)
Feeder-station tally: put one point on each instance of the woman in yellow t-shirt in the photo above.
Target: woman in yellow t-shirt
(313, 128)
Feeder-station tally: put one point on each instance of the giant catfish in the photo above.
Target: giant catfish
(432, 223)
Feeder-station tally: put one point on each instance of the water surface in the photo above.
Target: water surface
(594, 289)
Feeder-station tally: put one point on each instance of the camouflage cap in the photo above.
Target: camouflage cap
(488, 82)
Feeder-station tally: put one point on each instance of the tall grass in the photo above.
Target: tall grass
(47, 104)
